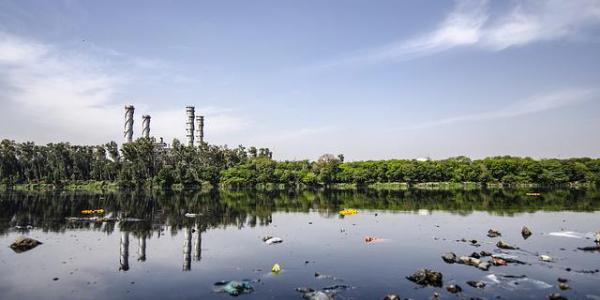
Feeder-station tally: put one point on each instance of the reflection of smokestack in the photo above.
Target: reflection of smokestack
(128, 132)
(198, 244)
(187, 249)
(189, 131)
(124, 251)
(200, 130)
(146, 126)
(142, 248)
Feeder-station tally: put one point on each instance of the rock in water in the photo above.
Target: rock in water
(392, 297)
(449, 257)
(525, 232)
(493, 233)
(426, 277)
(454, 288)
(22, 244)
(504, 245)
(597, 237)
(476, 284)
(557, 296)
(563, 286)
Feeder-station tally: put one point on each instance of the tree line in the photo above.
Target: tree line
(146, 162)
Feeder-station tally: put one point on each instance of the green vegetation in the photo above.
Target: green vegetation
(144, 163)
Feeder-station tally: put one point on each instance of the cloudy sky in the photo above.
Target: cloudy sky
(370, 79)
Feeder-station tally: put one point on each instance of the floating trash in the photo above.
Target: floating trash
(276, 268)
(92, 211)
(234, 287)
(269, 240)
(348, 212)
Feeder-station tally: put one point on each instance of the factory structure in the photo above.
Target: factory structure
(194, 130)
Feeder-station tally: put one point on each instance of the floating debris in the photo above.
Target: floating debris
(269, 240)
(192, 215)
(534, 194)
(310, 294)
(493, 233)
(391, 297)
(590, 248)
(512, 282)
(372, 239)
(22, 244)
(348, 212)
(546, 258)
(525, 232)
(276, 268)
(454, 288)
(426, 277)
(92, 211)
(234, 287)
(568, 234)
(563, 286)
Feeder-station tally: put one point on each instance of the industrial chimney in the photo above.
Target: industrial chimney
(128, 132)
(146, 126)
(200, 130)
(190, 125)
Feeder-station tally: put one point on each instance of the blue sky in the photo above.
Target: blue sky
(370, 79)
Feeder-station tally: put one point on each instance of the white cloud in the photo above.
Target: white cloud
(531, 105)
(472, 24)
(52, 93)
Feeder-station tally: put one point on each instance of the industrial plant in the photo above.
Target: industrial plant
(194, 127)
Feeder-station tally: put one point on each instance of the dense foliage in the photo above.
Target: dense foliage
(146, 162)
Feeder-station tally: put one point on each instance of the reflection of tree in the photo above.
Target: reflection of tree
(48, 211)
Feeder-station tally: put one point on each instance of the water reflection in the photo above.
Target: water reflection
(49, 211)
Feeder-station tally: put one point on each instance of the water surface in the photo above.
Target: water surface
(167, 255)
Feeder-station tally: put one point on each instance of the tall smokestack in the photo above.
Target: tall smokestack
(146, 126)
(200, 130)
(128, 133)
(190, 125)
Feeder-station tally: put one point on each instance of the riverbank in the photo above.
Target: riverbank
(113, 186)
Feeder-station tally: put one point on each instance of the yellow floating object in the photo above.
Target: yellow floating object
(92, 211)
(276, 268)
(348, 212)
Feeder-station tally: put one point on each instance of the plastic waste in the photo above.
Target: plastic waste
(371, 239)
(92, 211)
(512, 283)
(276, 268)
(234, 287)
(348, 212)
(192, 215)
(568, 234)
(546, 258)
(269, 240)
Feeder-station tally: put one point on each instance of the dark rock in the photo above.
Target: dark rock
(557, 296)
(55, 278)
(493, 233)
(473, 242)
(454, 288)
(504, 245)
(449, 257)
(475, 255)
(485, 253)
(22, 244)
(525, 232)
(560, 279)
(426, 277)
(391, 297)
(484, 266)
(476, 284)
